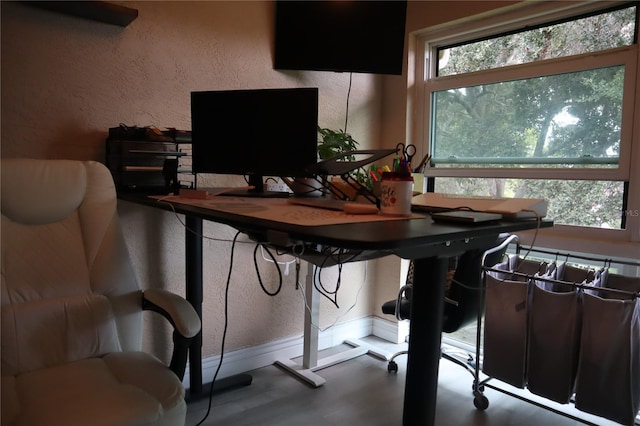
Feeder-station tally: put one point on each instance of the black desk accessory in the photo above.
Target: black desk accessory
(466, 217)
(342, 165)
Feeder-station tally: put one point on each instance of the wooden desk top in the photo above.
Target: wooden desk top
(407, 238)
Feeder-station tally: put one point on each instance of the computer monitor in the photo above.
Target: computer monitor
(255, 133)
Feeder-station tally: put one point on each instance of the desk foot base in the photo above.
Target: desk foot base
(300, 372)
(372, 350)
(220, 385)
(308, 374)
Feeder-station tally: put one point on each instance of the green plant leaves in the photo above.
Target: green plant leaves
(334, 142)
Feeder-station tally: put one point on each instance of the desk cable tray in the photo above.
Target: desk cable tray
(344, 165)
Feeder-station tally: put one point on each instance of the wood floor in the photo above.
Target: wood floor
(361, 392)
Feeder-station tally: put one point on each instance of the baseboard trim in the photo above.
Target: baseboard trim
(247, 359)
(395, 332)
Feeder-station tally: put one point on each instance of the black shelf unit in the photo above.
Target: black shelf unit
(100, 11)
(150, 166)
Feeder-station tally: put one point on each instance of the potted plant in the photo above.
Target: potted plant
(332, 143)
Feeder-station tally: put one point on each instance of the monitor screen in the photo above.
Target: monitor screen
(256, 133)
(344, 36)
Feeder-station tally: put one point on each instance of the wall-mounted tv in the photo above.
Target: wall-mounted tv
(339, 35)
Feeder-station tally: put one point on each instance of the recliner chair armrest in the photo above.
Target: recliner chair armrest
(182, 316)
(174, 308)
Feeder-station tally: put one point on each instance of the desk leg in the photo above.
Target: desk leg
(311, 318)
(310, 361)
(425, 336)
(311, 335)
(194, 294)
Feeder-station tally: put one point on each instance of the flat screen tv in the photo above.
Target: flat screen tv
(255, 133)
(339, 35)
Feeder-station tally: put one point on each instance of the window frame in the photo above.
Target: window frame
(621, 56)
(423, 45)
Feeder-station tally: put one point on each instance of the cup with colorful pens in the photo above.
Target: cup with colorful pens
(401, 169)
(396, 186)
(375, 173)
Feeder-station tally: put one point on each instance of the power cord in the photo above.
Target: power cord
(286, 264)
(355, 302)
(224, 332)
(346, 115)
(531, 245)
(330, 295)
(335, 255)
(197, 234)
(277, 266)
(535, 235)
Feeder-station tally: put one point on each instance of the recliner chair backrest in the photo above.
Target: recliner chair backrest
(64, 264)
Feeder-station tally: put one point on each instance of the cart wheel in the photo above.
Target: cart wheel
(392, 367)
(480, 402)
(480, 388)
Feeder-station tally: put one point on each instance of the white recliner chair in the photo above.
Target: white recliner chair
(72, 308)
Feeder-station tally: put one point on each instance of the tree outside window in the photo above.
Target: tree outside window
(540, 113)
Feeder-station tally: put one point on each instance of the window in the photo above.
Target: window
(537, 107)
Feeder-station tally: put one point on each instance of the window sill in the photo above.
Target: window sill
(607, 243)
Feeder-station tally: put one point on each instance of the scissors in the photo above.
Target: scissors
(407, 152)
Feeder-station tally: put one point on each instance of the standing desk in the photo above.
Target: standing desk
(429, 244)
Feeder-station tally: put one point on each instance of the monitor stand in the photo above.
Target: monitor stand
(258, 191)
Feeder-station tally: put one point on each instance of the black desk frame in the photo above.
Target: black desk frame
(194, 294)
(428, 244)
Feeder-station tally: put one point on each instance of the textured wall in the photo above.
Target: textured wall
(66, 80)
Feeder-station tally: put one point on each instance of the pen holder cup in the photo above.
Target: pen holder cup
(396, 191)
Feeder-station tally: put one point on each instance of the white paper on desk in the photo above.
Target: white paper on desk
(515, 208)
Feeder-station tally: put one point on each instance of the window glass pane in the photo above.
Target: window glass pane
(571, 202)
(590, 34)
(563, 119)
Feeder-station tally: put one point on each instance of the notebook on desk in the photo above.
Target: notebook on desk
(465, 216)
(509, 208)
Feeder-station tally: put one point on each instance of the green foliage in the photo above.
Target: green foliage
(334, 142)
(571, 202)
(589, 34)
(570, 115)
(499, 120)
(587, 203)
